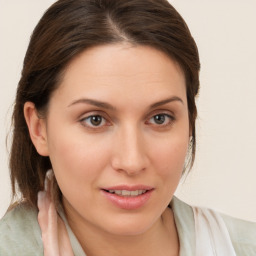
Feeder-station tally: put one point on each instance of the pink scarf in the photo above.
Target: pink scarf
(54, 233)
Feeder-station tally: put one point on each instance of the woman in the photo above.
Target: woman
(104, 128)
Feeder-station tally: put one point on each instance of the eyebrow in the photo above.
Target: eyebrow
(108, 106)
(168, 100)
(96, 103)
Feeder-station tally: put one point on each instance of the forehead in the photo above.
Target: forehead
(122, 67)
(114, 59)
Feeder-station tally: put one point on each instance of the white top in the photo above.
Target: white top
(20, 233)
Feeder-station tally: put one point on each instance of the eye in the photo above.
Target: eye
(161, 119)
(94, 121)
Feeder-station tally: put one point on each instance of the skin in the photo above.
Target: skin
(128, 146)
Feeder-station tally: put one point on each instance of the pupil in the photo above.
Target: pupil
(159, 119)
(96, 120)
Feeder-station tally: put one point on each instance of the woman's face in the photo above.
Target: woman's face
(117, 133)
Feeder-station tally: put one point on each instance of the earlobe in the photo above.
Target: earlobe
(37, 128)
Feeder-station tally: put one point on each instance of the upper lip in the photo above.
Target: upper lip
(129, 187)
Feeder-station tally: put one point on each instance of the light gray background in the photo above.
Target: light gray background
(224, 174)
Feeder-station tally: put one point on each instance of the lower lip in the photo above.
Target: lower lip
(128, 202)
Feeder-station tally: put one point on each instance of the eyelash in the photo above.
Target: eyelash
(91, 126)
(168, 120)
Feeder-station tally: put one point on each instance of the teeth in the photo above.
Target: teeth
(118, 192)
(127, 193)
(134, 193)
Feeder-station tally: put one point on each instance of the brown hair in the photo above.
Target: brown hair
(66, 29)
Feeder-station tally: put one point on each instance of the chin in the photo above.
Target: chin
(131, 225)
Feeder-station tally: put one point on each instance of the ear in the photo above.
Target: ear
(37, 128)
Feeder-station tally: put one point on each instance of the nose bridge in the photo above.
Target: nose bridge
(130, 150)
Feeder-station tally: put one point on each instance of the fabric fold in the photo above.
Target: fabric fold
(212, 237)
(54, 234)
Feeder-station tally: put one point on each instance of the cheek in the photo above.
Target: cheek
(75, 159)
(78, 164)
(169, 156)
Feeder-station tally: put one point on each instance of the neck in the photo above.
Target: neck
(160, 239)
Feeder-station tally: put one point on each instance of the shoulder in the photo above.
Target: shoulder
(20, 233)
(242, 234)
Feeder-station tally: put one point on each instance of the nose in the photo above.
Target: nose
(129, 151)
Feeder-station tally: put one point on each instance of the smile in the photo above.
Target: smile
(127, 193)
(128, 197)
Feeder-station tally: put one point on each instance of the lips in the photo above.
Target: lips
(127, 192)
(128, 197)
